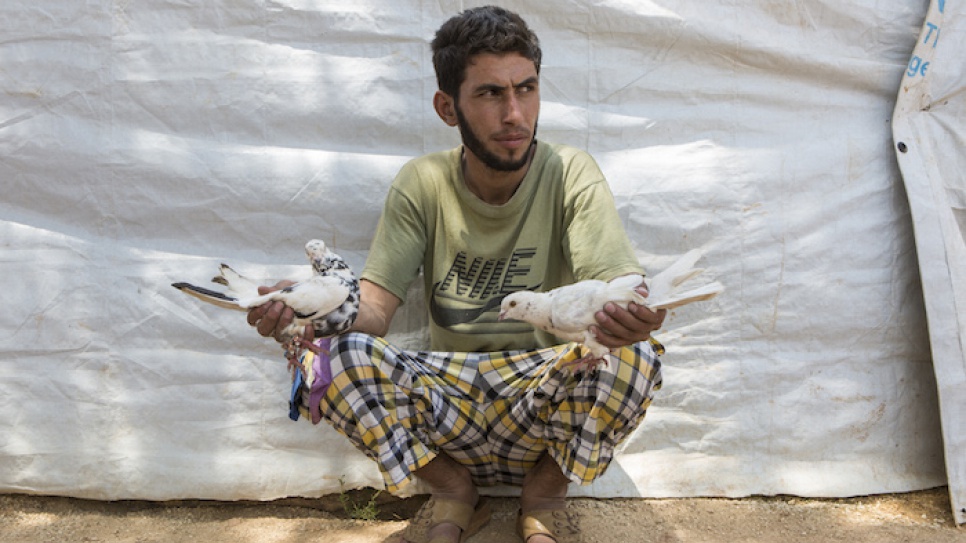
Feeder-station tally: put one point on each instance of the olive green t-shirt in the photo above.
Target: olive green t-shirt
(560, 226)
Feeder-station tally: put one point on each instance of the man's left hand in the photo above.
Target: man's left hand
(617, 327)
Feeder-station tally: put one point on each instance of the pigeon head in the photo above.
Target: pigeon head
(517, 305)
(316, 249)
(319, 255)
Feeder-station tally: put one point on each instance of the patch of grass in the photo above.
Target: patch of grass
(367, 511)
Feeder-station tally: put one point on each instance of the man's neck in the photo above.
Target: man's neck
(493, 187)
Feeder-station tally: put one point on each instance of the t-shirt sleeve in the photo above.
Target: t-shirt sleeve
(399, 244)
(594, 240)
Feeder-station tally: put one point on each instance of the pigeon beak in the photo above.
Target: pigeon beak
(502, 316)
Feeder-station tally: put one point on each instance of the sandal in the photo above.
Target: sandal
(559, 524)
(438, 511)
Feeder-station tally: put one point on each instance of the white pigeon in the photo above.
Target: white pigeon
(568, 311)
(329, 299)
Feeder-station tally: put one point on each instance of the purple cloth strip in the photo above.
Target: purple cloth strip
(323, 378)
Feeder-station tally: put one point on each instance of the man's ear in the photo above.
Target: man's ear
(445, 107)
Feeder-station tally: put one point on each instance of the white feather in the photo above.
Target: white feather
(666, 290)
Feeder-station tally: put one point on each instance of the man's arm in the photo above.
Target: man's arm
(376, 309)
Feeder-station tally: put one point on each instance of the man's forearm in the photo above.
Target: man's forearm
(376, 309)
(370, 321)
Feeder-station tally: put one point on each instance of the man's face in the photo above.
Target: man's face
(497, 110)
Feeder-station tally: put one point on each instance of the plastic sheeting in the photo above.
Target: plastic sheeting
(144, 143)
(931, 140)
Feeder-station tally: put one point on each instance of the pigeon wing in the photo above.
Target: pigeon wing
(665, 289)
(698, 294)
(238, 286)
(622, 290)
(573, 307)
(209, 296)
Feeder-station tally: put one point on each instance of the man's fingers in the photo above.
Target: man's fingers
(613, 341)
(286, 316)
(266, 324)
(624, 322)
(617, 327)
(255, 314)
(616, 324)
(654, 319)
(285, 319)
(267, 318)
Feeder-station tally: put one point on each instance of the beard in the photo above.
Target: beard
(475, 145)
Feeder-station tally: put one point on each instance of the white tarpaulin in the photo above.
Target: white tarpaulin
(143, 143)
(930, 133)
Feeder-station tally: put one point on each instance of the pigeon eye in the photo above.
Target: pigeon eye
(513, 304)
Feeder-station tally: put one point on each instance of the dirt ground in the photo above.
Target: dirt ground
(914, 517)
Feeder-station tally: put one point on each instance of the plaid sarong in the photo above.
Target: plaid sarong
(495, 413)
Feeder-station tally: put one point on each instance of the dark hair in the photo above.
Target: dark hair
(487, 29)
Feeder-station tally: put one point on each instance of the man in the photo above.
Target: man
(495, 402)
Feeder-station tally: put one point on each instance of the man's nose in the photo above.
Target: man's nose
(513, 109)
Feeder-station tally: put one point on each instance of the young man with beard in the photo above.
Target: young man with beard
(494, 402)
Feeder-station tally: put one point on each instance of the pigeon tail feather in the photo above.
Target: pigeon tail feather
(209, 296)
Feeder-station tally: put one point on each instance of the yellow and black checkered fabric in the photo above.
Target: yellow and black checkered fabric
(495, 413)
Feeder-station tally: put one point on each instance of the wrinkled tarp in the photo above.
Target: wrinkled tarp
(930, 135)
(144, 143)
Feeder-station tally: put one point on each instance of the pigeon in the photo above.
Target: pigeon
(329, 299)
(568, 311)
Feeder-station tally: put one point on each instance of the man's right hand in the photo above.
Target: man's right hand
(271, 318)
